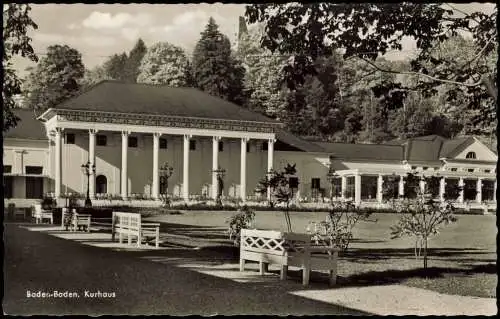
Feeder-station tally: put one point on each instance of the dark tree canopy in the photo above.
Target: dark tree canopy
(367, 31)
(215, 70)
(115, 67)
(55, 78)
(134, 60)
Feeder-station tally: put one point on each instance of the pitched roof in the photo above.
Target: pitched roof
(114, 96)
(364, 151)
(28, 127)
(295, 143)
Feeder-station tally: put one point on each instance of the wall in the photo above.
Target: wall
(308, 165)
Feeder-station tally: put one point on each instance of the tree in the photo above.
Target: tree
(263, 74)
(422, 216)
(366, 31)
(164, 63)
(215, 70)
(115, 67)
(93, 76)
(16, 24)
(278, 183)
(55, 78)
(134, 61)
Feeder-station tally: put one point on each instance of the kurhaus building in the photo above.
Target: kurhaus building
(130, 131)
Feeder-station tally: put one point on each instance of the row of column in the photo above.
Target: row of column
(155, 183)
(442, 188)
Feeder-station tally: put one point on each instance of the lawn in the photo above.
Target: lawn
(462, 258)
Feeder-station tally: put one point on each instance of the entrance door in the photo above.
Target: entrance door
(34, 187)
(101, 184)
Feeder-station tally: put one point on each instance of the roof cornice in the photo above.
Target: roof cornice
(160, 120)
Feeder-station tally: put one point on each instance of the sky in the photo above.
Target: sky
(98, 31)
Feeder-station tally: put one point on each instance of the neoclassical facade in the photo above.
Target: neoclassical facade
(130, 131)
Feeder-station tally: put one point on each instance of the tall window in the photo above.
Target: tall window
(163, 143)
(101, 140)
(192, 145)
(70, 138)
(221, 146)
(7, 169)
(101, 184)
(471, 155)
(132, 141)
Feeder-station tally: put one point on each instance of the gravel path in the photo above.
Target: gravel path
(35, 261)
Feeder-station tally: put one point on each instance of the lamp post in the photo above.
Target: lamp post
(88, 169)
(331, 176)
(220, 173)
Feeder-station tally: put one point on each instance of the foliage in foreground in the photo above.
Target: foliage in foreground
(243, 219)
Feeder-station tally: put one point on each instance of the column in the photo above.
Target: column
(58, 173)
(156, 185)
(442, 188)
(185, 169)
(479, 189)
(215, 165)
(343, 187)
(422, 186)
(270, 159)
(401, 185)
(461, 184)
(380, 183)
(357, 189)
(124, 177)
(495, 191)
(92, 133)
(243, 169)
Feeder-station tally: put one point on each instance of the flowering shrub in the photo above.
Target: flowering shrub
(336, 230)
(243, 219)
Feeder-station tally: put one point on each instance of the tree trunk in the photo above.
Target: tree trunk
(425, 253)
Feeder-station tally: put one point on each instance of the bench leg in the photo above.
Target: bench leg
(157, 239)
(262, 267)
(333, 271)
(139, 239)
(242, 264)
(283, 272)
(306, 271)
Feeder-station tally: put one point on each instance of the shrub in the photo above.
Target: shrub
(243, 219)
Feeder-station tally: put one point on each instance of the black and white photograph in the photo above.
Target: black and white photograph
(287, 159)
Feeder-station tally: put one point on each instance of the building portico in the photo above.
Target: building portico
(59, 121)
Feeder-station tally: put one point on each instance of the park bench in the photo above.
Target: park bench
(130, 224)
(41, 214)
(287, 249)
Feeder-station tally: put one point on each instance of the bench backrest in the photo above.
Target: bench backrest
(126, 220)
(273, 242)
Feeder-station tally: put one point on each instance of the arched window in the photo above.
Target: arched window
(471, 155)
(101, 184)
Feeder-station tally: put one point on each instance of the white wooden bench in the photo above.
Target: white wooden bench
(287, 249)
(41, 214)
(130, 224)
(81, 221)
